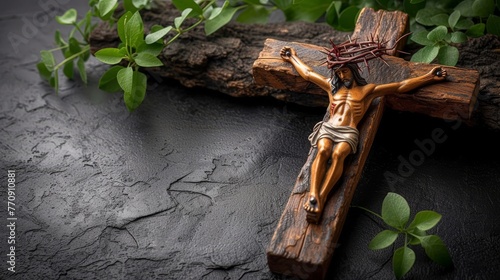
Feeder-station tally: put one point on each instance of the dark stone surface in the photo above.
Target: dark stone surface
(192, 184)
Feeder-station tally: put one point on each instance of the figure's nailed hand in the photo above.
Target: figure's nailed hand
(286, 53)
(439, 73)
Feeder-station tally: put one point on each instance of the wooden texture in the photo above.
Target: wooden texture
(452, 100)
(302, 249)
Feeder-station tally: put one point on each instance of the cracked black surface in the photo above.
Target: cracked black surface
(192, 184)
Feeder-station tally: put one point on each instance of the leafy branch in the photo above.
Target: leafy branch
(436, 25)
(396, 214)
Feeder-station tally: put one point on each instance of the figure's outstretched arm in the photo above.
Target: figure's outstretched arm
(437, 74)
(306, 72)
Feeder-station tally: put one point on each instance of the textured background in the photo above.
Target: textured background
(192, 184)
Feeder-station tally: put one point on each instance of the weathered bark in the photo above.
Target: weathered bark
(223, 61)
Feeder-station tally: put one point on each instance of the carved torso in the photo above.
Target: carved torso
(348, 106)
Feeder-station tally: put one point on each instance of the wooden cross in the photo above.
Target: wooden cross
(305, 249)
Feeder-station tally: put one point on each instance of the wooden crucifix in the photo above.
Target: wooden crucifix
(304, 241)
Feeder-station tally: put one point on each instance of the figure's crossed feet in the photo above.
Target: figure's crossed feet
(314, 208)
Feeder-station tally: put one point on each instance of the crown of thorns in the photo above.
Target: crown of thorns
(354, 52)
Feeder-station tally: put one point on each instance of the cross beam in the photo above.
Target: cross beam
(304, 249)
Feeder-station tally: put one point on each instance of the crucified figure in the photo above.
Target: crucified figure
(350, 96)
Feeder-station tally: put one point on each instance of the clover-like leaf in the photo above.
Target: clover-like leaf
(420, 37)
(134, 30)
(436, 250)
(483, 8)
(220, 20)
(465, 8)
(109, 81)
(179, 20)
(110, 55)
(44, 72)
(448, 55)
(80, 64)
(476, 30)
(383, 240)
(105, 7)
(493, 25)
(426, 54)
(402, 261)
(347, 18)
(68, 69)
(48, 60)
(425, 220)
(68, 18)
(458, 37)
(395, 210)
(437, 34)
(134, 85)
(453, 19)
(147, 60)
(157, 35)
(440, 19)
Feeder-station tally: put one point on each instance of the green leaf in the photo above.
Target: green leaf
(106, 6)
(179, 20)
(254, 14)
(465, 8)
(453, 19)
(476, 30)
(440, 19)
(383, 240)
(436, 250)
(425, 220)
(437, 34)
(347, 18)
(402, 261)
(69, 70)
(222, 19)
(108, 81)
(416, 1)
(188, 4)
(59, 40)
(415, 240)
(458, 37)
(426, 54)
(153, 49)
(420, 37)
(43, 71)
(464, 24)
(155, 36)
(483, 8)
(129, 6)
(74, 45)
(48, 59)
(125, 78)
(121, 25)
(412, 8)
(147, 60)
(81, 69)
(110, 55)
(493, 25)
(309, 10)
(332, 13)
(448, 55)
(134, 86)
(395, 210)
(134, 30)
(424, 16)
(68, 18)
(283, 4)
(54, 81)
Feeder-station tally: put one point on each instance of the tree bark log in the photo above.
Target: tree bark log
(222, 62)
